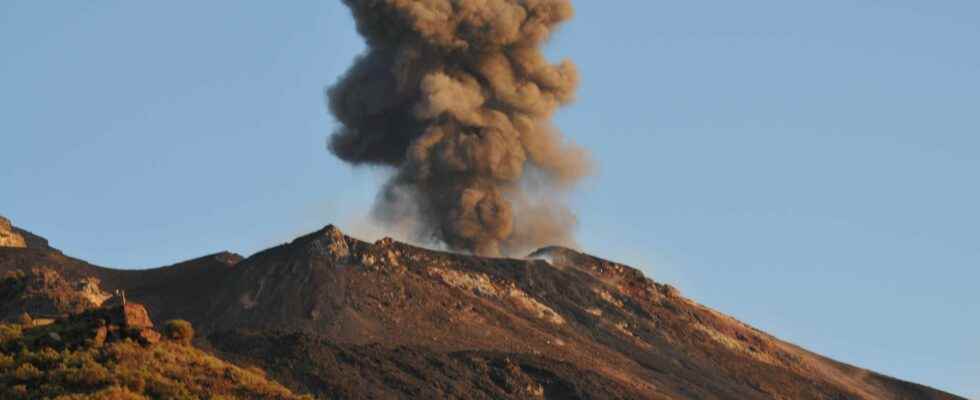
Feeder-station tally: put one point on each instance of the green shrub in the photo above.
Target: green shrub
(179, 331)
(10, 333)
(27, 372)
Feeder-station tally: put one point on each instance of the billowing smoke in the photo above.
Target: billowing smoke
(457, 97)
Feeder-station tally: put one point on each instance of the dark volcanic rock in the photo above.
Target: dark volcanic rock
(33, 241)
(350, 319)
(332, 370)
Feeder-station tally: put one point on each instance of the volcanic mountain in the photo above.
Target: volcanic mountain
(338, 317)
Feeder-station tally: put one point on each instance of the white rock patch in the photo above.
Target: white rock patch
(480, 284)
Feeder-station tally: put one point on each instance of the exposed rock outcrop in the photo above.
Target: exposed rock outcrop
(12, 236)
(130, 315)
(43, 291)
(89, 288)
(8, 236)
(130, 320)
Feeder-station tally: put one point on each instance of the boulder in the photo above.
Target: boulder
(130, 315)
(148, 336)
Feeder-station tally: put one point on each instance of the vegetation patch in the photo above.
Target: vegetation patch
(64, 361)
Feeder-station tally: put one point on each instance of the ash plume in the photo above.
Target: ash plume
(457, 97)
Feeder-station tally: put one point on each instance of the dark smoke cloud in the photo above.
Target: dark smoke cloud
(457, 97)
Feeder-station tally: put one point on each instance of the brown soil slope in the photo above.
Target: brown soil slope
(343, 318)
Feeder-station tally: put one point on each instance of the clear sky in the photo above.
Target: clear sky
(808, 167)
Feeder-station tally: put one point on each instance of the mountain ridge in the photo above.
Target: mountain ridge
(557, 310)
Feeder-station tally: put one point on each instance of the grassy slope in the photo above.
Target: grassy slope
(31, 368)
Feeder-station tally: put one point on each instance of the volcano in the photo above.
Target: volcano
(340, 318)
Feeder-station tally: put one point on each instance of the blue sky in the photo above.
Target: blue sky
(808, 168)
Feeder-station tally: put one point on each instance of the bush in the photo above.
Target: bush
(10, 333)
(179, 331)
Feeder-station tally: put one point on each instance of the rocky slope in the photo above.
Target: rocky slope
(341, 318)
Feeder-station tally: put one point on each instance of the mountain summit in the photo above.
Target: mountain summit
(337, 317)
